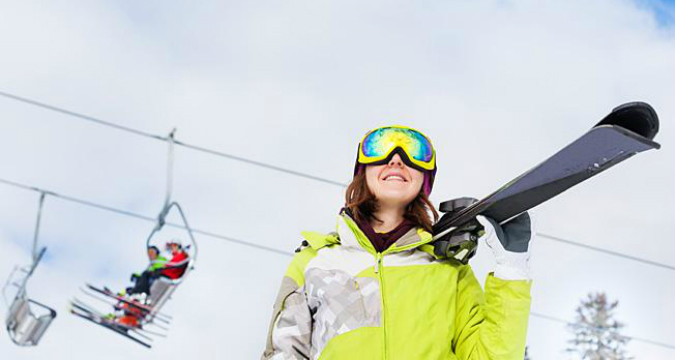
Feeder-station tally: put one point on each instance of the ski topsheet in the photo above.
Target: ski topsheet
(628, 130)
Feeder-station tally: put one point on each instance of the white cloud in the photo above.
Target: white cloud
(498, 85)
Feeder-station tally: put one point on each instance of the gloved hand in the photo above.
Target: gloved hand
(511, 246)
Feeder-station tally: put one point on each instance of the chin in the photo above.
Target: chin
(396, 196)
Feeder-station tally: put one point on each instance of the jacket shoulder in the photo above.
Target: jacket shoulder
(318, 240)
(308, 249)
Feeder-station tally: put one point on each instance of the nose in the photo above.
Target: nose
(396, 161)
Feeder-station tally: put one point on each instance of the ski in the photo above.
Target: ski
(96, 319)
(628, 130)
(119, 299)
(108, 293)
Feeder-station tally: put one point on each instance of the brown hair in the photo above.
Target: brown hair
(363, 205)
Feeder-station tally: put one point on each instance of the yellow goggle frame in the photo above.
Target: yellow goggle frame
(377, 146)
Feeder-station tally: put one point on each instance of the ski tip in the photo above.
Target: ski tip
(637, 116)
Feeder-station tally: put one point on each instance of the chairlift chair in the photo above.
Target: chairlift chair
(162, 288)
(26, 320)
(160, 291)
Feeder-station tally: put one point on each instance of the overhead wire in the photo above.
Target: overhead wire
(166, 138)
(570, 324)
(141, 217)
(243, 242)
(82, 116)
(606, 251)
(290, 171)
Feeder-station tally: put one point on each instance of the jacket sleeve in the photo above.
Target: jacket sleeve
(290, 331)
(490, 325)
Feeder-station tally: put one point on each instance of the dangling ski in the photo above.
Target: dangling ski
(628, 130)
(84, 311)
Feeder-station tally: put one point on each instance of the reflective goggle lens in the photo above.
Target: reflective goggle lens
(380, 142)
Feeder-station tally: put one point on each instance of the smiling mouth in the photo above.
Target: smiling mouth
(394, 177)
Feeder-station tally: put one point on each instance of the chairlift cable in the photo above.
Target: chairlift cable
(278, 251)
(163, 138)
(605, 251)
(261, 164)
(638, 339)
(81, 116)
(144, 217)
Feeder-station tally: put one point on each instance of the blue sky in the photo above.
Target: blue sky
(664, 11)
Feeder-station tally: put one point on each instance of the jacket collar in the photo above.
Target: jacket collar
(352, 236)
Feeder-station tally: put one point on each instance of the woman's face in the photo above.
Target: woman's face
(394, 184)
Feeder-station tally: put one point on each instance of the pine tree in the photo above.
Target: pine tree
(527, 355)
(596, 333)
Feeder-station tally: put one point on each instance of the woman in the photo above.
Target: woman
(375, 289)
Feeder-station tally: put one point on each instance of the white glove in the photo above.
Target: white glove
(510, 244)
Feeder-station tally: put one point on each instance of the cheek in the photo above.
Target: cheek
(418, 178)
(371, 178)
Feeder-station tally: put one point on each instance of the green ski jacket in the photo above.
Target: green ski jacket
(340, 299)
(158, 263)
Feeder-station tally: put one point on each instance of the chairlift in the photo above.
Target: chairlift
(163, 287)
(139, 320)
(27, 320)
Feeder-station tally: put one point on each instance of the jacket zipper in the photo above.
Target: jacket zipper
(378, 271)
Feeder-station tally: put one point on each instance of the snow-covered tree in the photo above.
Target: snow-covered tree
(596, 333)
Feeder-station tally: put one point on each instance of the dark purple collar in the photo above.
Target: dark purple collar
(382, 241)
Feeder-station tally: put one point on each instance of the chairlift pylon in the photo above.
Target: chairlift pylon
(27, 320)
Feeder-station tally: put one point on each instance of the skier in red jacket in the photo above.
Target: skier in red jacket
(176, 267)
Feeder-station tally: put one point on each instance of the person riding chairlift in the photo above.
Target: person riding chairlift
(159, 267)
(130, 316)
(175, 268)
(144, 280)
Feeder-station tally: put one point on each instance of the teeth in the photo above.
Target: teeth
(394, 177)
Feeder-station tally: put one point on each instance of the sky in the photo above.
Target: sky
(497, 85)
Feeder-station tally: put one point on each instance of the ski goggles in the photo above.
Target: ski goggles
(379, 144)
